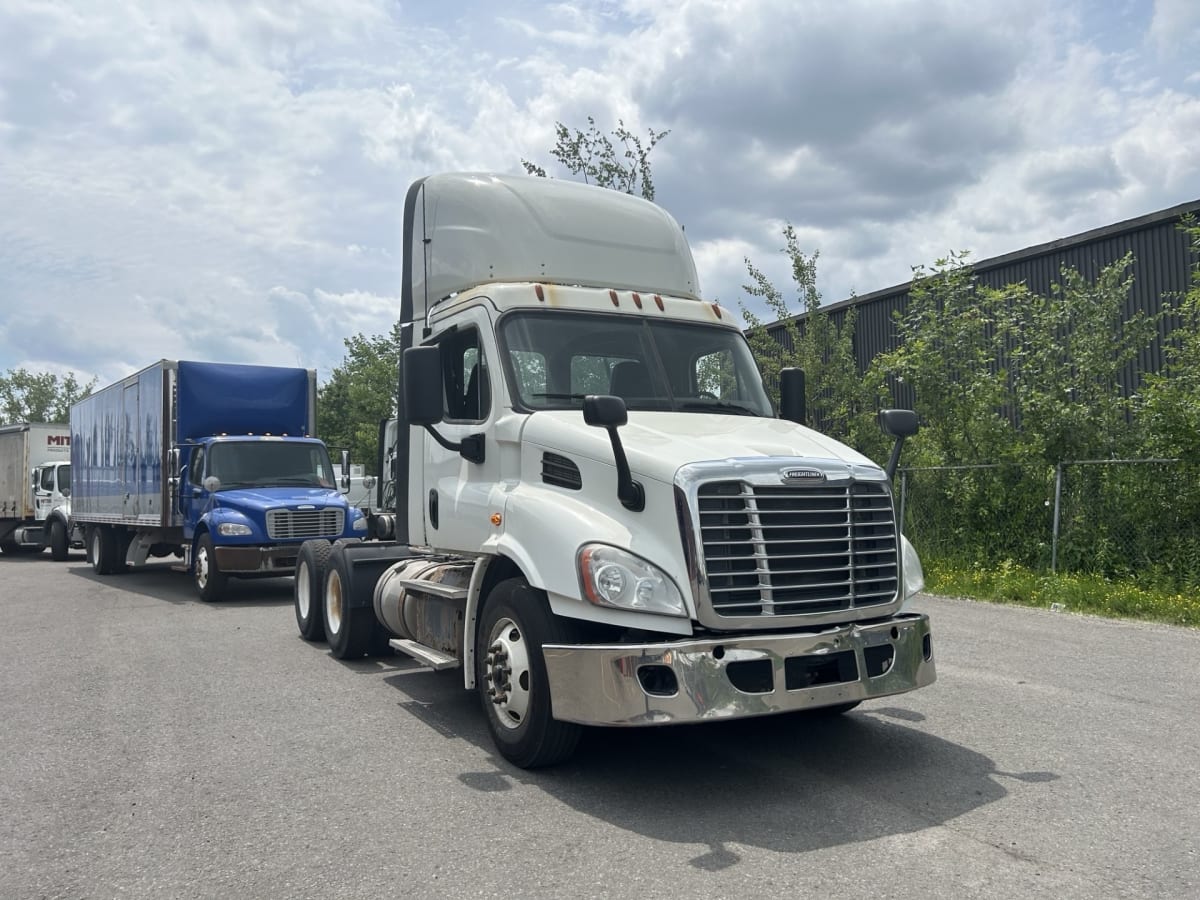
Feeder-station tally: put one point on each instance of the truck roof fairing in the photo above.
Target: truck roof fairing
(468, 229)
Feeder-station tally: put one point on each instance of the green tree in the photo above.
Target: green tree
(622, 165)
(952, 342)
(1066, 369)
(39, 397)
(1170, 409)
(839, 401)
(360, 392)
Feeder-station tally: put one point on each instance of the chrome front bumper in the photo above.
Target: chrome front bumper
(738, 675)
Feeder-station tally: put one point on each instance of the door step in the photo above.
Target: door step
(435, 659)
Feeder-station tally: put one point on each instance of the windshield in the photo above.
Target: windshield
(270, 464)
(555, 359)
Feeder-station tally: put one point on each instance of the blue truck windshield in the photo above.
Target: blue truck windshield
(554, 360)
(268, 463)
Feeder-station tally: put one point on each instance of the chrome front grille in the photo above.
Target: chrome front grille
(791, 550)
(300, 524)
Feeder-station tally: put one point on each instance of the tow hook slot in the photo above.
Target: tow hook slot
(879, 659)
(658, 680)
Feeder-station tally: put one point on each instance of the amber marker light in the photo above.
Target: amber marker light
(497, 518)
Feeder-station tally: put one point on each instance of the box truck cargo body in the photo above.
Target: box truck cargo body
(35, 487)
(214, 463)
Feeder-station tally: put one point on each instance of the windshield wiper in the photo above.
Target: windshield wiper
(552, 396)
(719, 406)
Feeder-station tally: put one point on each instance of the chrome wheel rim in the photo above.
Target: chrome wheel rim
(303, 594)
(333, 602)
(507, 674)
(202, 567)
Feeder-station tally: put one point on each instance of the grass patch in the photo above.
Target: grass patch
(1094, 594)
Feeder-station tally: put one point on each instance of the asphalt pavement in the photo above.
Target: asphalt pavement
(152, 745)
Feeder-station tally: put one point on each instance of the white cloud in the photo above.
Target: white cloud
(226, 181)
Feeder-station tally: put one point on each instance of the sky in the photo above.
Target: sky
(224, 180)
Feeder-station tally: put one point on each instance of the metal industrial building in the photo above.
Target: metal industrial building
(1161, 267)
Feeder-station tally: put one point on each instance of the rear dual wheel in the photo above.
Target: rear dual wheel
(350, 624)
(312, 563)
(105, 549)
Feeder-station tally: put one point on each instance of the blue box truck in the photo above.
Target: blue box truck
(216, 464)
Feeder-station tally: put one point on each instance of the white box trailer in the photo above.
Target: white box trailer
(35, 487)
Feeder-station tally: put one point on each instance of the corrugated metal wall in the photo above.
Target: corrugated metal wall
(1161, 267)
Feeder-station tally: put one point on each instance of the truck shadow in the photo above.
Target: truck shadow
(790, 783)
(159, 581)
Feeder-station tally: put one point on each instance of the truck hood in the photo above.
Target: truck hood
(264, 498)
(659, 443)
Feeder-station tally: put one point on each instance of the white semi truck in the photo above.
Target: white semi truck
(35, 488)
(601, 520)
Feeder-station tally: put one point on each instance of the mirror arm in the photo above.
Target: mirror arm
(471, 447)
(629, 492)
(894, 460)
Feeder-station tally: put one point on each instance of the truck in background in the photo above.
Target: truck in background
(600, 519)
(210, 462)
(35, 488)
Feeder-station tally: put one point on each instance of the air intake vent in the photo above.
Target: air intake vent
(793, 550)
(561, 472)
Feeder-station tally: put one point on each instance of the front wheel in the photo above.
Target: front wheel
(311, 565)
(210, 581)
(58, 540)
(510, 675)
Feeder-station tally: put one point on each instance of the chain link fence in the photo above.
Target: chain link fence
(1136, 518)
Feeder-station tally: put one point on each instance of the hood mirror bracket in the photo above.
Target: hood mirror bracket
(609, 412)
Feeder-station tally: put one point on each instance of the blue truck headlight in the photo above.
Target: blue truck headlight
(233, 529)
(614, 577)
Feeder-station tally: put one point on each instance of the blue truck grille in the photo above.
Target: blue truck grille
(779, 551)
(300, 524)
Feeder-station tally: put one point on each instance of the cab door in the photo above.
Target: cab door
(43, 492)
(458, 501)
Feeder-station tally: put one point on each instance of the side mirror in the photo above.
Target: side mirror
(609, 412)
(791, 395)
(899, 423)
(604, 411)
(422, 385)
(173, 461)
(345, 485)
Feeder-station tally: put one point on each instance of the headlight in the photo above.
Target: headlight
(230, 529)
(613, 577)
(914, 575)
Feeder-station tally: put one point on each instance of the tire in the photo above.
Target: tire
(510, 676)
(59, 543)
(352, 631)
(210, 581)
(308, 589)
(103, 550)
